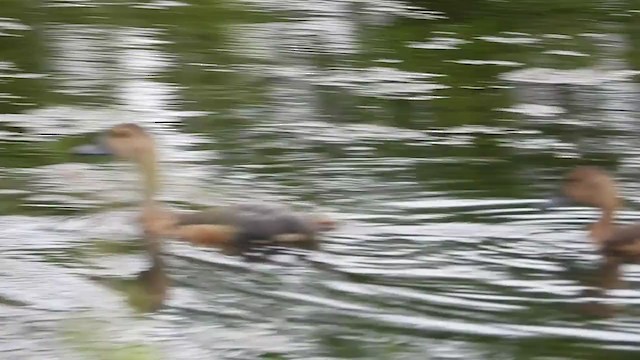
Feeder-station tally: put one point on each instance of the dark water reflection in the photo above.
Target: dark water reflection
(429, 133)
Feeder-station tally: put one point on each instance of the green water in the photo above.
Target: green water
(430, 130)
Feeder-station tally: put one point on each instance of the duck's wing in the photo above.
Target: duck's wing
(250, 225)
(624, 242)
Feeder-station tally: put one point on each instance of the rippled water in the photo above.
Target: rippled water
(429, 130)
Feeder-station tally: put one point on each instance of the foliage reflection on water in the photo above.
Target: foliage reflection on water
(429, 130)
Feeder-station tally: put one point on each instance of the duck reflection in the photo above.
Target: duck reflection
(148, 290)
(605, 278)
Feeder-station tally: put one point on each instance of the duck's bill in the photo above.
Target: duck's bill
(97, 149)
(555, 202)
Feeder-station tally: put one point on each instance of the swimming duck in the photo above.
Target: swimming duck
(593, 186)
(233, 229)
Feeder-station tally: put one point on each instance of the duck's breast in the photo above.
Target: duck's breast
(623, 242)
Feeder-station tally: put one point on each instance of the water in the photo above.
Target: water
(429, 130)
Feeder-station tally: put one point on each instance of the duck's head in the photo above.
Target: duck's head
(587, 186)
(128, 142)
(125, 141)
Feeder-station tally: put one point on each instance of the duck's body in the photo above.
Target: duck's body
(237, 228)
(232, 228)
(255, 221)
(592, 186)
(623, 243)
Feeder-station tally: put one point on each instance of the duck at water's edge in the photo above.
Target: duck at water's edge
(592, 186)
(231, 228)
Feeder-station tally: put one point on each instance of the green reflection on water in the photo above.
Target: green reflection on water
(211, 72)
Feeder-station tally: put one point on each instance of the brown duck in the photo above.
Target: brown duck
(592, 186)
(233, 229)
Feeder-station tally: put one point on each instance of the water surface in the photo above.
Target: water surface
(429, 130)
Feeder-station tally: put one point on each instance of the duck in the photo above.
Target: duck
(594, 187)
(234, 229)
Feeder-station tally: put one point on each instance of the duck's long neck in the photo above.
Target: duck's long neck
(149, 169)
(607, 216)
(603, 228)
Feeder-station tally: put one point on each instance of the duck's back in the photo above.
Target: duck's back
(257, 224)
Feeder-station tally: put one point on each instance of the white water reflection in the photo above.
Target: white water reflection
(159, 4)
(439, 43)
(536, 110)
(580, 77)
(609, 87)
(566, 53)
(12, 27)
(382, 82)
(511, 38)
(487, 62)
